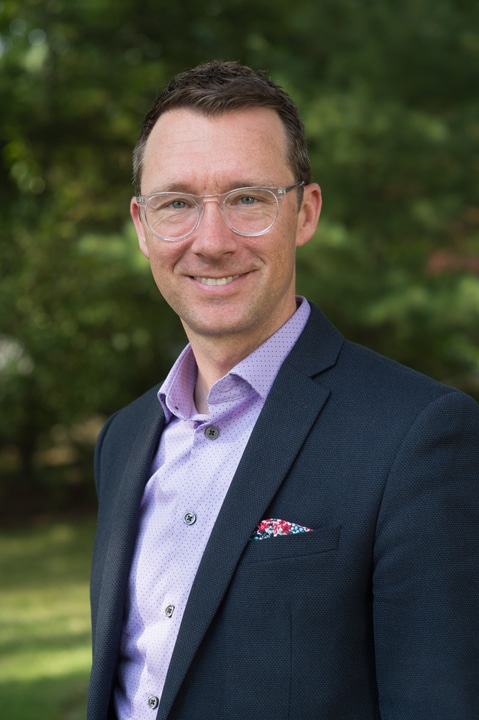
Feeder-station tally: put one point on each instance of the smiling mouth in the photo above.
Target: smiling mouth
(216, 281)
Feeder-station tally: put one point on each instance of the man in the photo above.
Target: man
(289, 525)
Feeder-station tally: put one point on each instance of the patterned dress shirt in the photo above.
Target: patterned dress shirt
(196, 460)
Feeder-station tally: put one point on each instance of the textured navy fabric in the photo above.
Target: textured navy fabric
(373, 614)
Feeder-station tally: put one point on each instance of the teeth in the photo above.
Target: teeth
(216, 281)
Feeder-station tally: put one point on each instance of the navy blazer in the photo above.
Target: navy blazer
(374, 614)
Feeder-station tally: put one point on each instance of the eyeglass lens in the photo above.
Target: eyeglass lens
(248, 212)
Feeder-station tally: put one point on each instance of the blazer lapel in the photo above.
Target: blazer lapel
(292, 407)
(122, 536)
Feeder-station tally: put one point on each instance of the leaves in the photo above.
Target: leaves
(388, 96)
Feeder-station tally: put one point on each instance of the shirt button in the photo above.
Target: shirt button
(169, 610)
(190, 518)
(153, 702)
(212, 432)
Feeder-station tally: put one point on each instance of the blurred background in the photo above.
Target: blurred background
(388, 93)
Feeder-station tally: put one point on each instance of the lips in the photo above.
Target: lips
(216, 281)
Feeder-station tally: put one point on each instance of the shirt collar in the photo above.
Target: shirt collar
(257, 371)
(261, 367)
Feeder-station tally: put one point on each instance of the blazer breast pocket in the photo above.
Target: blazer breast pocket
(317, 541)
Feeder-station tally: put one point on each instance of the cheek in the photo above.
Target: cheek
(283, 249)
(164, 283)
(163, 258)
(158, 265)
(165, 267)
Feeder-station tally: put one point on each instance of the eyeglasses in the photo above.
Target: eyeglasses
(248, 211)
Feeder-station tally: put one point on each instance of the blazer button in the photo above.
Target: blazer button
(153, 702)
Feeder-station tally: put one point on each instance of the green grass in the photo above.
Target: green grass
(44, 621)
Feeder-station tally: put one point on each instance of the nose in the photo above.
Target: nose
(213, 236)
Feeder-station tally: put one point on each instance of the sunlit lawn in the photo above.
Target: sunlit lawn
(44, 621)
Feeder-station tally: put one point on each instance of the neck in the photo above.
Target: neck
(214, 361)
(216, 355)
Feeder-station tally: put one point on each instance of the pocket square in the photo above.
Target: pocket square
(272, 527)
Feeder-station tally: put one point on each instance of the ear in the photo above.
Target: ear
(135, 212)
(309, 214)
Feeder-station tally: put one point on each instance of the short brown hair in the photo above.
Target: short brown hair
(218, 87)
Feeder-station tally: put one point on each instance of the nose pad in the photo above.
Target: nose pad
(210, 216)
(213, 233)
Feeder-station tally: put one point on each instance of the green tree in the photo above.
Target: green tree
(387, 94)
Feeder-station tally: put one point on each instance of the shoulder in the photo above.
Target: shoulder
(395, 400)
(371, 375)
(122, 429)
(364, 384)
(121, 420)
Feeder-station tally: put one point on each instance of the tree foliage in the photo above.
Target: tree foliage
(387, 92)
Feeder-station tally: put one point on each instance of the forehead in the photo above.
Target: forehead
(243, 146)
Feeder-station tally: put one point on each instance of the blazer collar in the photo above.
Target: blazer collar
(292, 407)
(318, 346)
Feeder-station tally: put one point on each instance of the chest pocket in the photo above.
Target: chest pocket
(317, 541)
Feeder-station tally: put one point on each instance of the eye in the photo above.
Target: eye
(170, 202)
(247, 199)
(178, 204)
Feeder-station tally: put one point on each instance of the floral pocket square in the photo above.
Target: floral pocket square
(272, 527)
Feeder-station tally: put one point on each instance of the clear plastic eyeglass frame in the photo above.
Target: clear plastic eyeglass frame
(197, 203)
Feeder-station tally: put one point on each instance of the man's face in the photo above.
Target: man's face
(221, 284)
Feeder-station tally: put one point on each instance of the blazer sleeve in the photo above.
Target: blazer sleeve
(426, 569)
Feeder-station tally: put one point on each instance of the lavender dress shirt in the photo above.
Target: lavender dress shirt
(196, 460)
